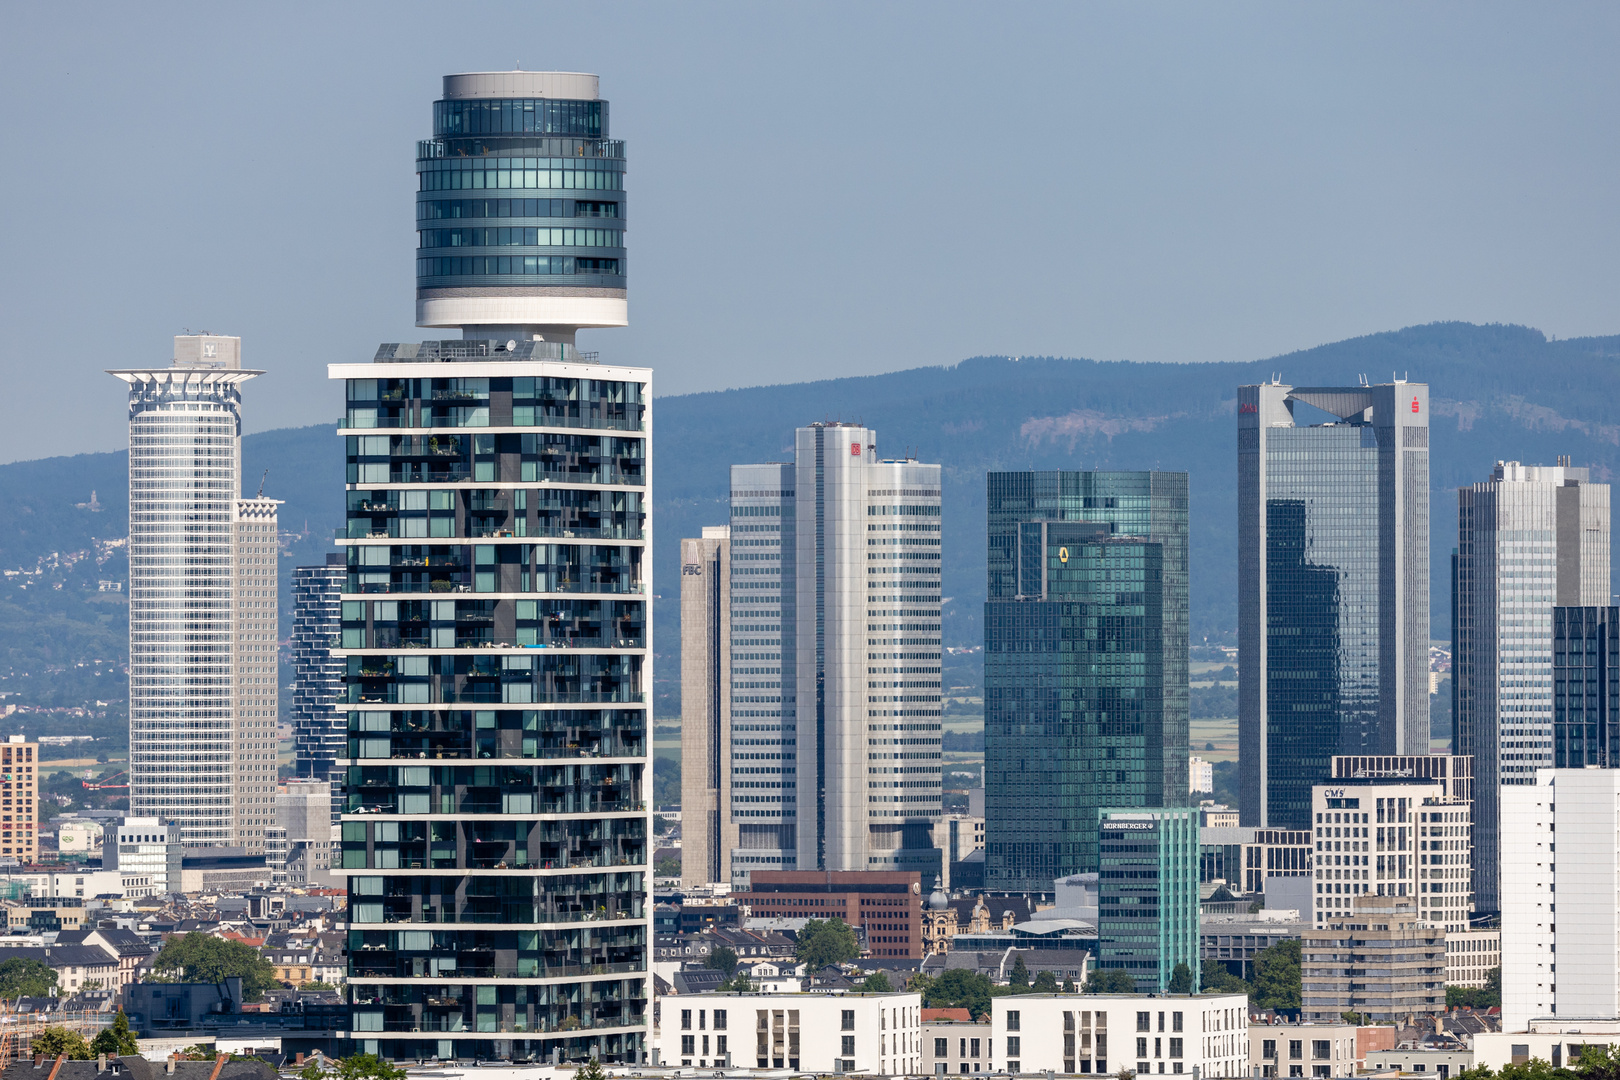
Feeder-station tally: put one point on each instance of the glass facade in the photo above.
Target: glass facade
(1586, 687)
(318, 718)
(535, 145)
(1147, 894)
(1085, 664)
(1332, 587)
(494, 636)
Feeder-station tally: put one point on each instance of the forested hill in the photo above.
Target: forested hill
(1497, 392)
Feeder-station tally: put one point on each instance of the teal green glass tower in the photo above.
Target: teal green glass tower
(1085, 664)
(1147, 894)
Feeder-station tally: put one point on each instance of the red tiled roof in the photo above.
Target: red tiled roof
(960, 1016)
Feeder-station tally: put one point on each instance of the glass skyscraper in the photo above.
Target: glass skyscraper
(1147, 894)
(1333, 586)
(1529, 538)
(495, 626)
(1085, 664)
(202, 603)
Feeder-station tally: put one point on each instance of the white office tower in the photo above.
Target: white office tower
(1560, 919)
(198, 725)
(1527, 539)
(835, 658)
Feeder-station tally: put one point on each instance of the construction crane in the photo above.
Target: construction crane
(108, 782)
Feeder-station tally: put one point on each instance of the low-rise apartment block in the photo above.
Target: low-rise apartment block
(1471, 955)
(1104, 1034)
(822, 1033)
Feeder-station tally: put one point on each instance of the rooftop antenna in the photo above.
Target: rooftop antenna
(260, 495)
(1363, 380)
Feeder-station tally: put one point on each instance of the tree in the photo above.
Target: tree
(116, 1039)
(1218, 979)
(312, 1070)
(1068, 985)
(1018, 979)
(371, 1067)
(1111, 981)
(738, 983)
(826, 942)
(722, 959)
(1598, 1061)
(667, 867)
(1352, 1017)
(26, 978)
(1045, 983)
(203, 958)
(877, 983)
(318, 987)
(1481, 997)
(1276, 977)
(960, 988)
(1181, 980)
(592, 1071)
(54, 1041)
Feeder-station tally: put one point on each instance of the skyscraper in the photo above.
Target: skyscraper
(318, 715)
(1333, 585)
(202, 603)
(495, 624)
(1085, 663)
(835, 658)
(1529, 538)
(707, 836)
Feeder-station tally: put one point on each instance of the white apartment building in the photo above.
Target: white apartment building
(835, 665)
(1561, 898)
(812, 1033)
(1553, 1039)
(201, 602)
(954, 1047)
(1530, 537)
(1104, 1034)
(1389, 837)
(1470, 956)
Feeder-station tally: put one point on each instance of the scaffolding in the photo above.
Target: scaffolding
(17, 1030)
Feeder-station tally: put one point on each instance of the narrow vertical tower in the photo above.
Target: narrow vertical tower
(706, 841)
(319, 719)
(495, 629)
(253, 667)
(185, 427)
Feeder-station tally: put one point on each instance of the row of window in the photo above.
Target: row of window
(492, 116)
(439, 209)
(516, 237)
(597, 178)
(480, 265)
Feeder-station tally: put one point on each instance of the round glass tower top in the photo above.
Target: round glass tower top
(520, 208)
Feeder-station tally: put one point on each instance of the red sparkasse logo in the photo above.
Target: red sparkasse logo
(1415, 405)
(855, 449)
(1246, 407)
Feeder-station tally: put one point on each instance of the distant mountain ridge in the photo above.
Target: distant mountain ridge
(1497, 392)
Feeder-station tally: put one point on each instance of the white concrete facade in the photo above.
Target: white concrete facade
(1101, 1034)
(1315, 1050)
(1563, 898)
(1471, 955)
(1527, 539)
(820, 1033)
(1399, 838)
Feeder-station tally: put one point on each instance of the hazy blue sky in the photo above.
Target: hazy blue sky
(815, 190)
